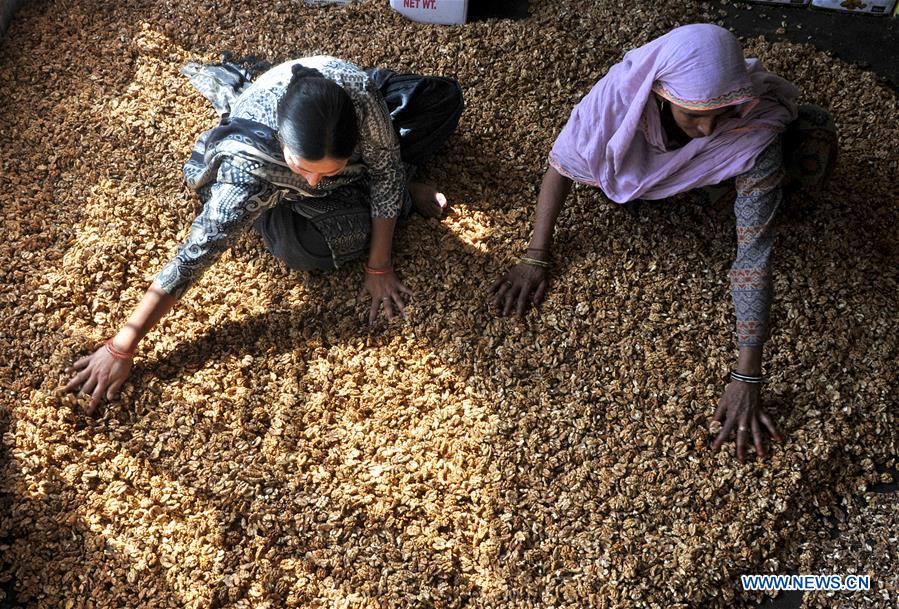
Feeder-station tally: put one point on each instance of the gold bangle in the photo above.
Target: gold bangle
(534, 262)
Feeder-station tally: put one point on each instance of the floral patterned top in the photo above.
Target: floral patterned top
(252, 176)
(759, 194)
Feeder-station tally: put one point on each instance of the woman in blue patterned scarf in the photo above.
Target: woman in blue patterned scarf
(316, 155)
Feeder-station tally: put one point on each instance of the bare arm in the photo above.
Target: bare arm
(155, 304)
(380, 252)
(525, 283)
(380, 282)
(102, 373)
(553, 191)
(749, 360)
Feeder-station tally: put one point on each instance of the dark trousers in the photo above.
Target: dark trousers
(425, 111)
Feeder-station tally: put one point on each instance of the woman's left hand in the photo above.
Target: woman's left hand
(387, 290)
(739, 410)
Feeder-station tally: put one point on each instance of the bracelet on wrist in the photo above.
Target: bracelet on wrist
(386, 270)
(748, 378)
(539, 253)
(534, 262)
(117, 353)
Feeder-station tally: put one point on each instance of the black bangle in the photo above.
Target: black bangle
(746, 378)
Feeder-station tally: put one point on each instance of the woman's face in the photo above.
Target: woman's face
(314, 171)
(699, 123)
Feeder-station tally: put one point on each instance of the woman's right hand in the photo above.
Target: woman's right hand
(100, 374)
(521, 285)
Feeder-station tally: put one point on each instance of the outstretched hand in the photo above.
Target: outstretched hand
(739, 410)
(98, 375)
(387, 291)
(523, 285)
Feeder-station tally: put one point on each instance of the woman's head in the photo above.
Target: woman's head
(617, 140)
(704, 76)
(316, 125)
(699, 123)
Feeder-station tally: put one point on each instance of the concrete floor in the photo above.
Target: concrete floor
(870, 42)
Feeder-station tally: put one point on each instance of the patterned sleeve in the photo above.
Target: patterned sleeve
(381, 154)
(758, 197)
(234, 201)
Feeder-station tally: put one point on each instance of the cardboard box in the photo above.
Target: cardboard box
(445, 12)
(799, 3)
(871, 7)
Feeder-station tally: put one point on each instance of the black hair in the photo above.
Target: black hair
(316, 118)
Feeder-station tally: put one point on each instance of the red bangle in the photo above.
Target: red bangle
(372, 271)
(117, 353)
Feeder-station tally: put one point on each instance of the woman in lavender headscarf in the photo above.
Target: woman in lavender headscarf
(684, 111)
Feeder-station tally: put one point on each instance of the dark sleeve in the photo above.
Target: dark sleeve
(380, 151)
(758, 197)
(235, 200)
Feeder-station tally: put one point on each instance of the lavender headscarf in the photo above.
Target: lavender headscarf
(614, 137)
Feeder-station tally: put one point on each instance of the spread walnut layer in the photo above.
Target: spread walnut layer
(270, 450)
